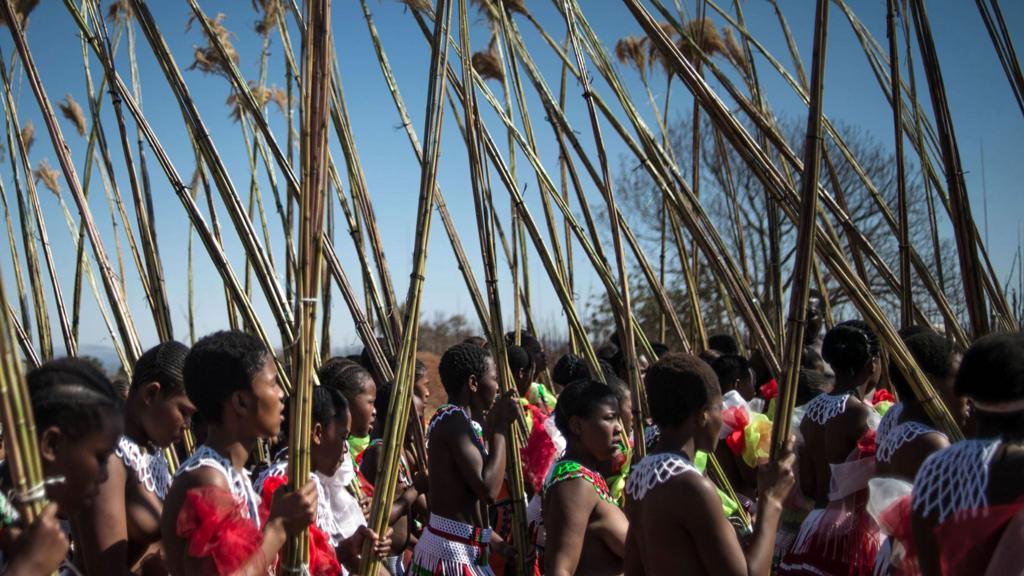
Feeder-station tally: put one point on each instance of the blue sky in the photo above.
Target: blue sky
(982, 106)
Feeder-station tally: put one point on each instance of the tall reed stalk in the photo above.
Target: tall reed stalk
(804, 259)
(906, 295)
(401, 398)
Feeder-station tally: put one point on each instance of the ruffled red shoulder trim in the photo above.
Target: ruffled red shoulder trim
(212, 522)
(539, 452)
(323, 560)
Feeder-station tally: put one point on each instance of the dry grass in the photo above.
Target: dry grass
(733, 50)
(49, 175)
(73, 112)
(630, 51)
(417, 5)
(120, 11)
(653, 54)
(22, 8)
(273, 14)
(262, 95)
(487, 63)
(702, 33)
(28, 134)
(207, 59)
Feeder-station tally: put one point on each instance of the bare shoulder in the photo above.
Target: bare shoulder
(451, 428)
(201, 477)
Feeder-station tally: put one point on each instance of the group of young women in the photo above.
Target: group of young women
(866, 486)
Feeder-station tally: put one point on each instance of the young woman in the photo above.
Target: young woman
(968, 500)
(119, 532)
(78, 419)
(328, 438)
(676, 525)
(348, 488)
(211, 522)
(466, 465)
(585, 529)
(837, 460)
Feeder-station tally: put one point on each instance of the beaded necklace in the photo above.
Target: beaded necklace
(566, 469)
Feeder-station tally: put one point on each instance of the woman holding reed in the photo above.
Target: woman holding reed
(119, 531)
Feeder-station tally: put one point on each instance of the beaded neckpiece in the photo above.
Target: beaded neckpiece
(446, 410)
(565, 470)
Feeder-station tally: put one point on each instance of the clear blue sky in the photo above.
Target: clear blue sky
(981, 102)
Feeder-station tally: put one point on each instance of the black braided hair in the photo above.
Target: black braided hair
(849, 346)
(568, 368)
(163, 363)
(344, 375)
(73, 395)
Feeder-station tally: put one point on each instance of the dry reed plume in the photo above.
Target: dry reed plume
(487, 63)
(702, 33)
(28, 134)
(49, 175)
(273, 14)
(262, 95)
(417, 5)
(630, 51)
(733, 50)
(22, 8)
(73, 112)
(653, 54)
(208, 59)
(120, 11)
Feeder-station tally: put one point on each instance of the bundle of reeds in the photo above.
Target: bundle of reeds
(316, 73)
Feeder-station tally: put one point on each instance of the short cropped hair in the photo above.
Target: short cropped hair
(580, 398)
(678, 385)
(724, 343)
(992, 370)
(219, 365)
(933, 353)
(729, 368)
(460, 362)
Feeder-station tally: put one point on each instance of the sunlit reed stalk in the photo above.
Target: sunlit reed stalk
(496, 338)
(624, 319)
(906, 295)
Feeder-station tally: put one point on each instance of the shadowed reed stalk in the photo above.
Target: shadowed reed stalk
(316, 74)
(906, 296)
(246, 232)
(484, 217)
(401, 398)
(995, 24)
(624, 318)
(804, 259)
(120, 308)
(827, 250)
(963, 225)
(760, 118)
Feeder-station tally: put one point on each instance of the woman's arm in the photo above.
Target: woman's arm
(101, 527)
(567, 509)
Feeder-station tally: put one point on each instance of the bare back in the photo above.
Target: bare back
(455, 460)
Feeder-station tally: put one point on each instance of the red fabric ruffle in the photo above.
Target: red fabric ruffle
(212, 522)
(770, 389)
(323, 560)
(539, 451)
(967, 540)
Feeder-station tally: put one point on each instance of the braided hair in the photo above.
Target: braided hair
(569, 368)
(344, 375)
(73, 395)
(163, 363)
(849, 346)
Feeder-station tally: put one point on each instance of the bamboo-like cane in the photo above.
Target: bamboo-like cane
(485, 216)
(963, 225)
(800, 289)
(827, 250)
(26, 469)
(314, 112)
(625, 321)
(126, 326)
(401, 398)
(906, 296)
(15, 260)
(995, 24)
(35, 277)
